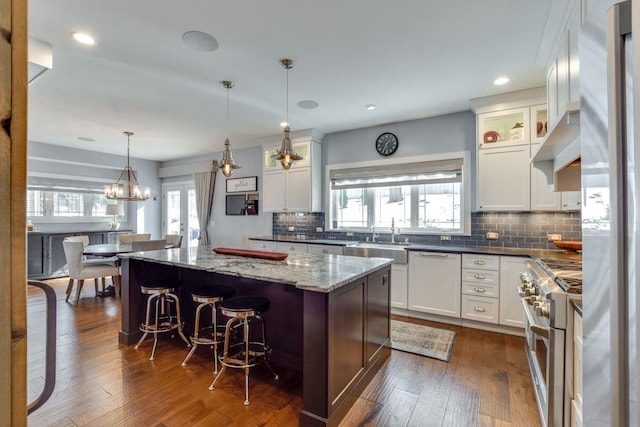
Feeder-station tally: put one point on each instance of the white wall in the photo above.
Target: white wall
(73, 163)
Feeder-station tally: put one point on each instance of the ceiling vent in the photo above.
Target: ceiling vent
(40, 58)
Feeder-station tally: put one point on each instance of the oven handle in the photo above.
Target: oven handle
(535, 327)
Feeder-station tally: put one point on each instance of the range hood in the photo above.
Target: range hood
(40, 58)
(559, 155)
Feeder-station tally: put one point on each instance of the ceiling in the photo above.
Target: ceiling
(411, 58)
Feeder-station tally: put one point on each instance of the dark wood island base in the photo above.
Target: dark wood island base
(338, 339)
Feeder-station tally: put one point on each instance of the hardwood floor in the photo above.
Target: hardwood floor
(101, 383)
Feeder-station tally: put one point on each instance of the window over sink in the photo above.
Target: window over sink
(428, 196)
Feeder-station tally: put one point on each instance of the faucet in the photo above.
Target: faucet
(373, 234)
(393, 230)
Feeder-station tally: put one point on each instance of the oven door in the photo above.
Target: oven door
(545, 353)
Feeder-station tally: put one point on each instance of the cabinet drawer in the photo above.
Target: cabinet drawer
(481, 262)
(481, 276)
(479, 308)
(324, 249)
(264, 246)
(481, 289)
(292, 247)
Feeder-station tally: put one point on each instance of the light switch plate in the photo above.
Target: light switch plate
(492, 236)
(445, 237)
(319, 230)
(292, 228)
(554, 236)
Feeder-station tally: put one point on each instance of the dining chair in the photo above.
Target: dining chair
(80, 272)
(174, 239)
(88, 261)
(128, 238)
(149, 245)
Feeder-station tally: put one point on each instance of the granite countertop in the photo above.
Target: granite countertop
(483, 250)
(313, 272)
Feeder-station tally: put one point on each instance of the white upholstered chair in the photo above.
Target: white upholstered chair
(174, 239)
(80, 272)
(128, 238)
(89, 261)
(149, 245)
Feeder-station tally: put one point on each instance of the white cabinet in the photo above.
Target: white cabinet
(291, 247)
(511, 312)
(504, 127)
(263, 245)
(434, 283)
(571, 200)
(480, 287)
(324, 249)
(399, 291)
(504, 179)
(297, 189)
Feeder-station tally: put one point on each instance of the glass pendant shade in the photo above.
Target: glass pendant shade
(127, 186)
(227, 165)
(285, 154)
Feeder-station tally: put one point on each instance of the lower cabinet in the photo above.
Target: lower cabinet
(511, 313)
(324, 249)
(480, 287)
(399, 284)
(291, 247)
(434, 283)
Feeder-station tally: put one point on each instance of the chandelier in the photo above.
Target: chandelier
(127, 186)
(227, 164)
(285, 154)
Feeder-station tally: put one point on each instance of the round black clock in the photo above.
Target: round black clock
(387, 144)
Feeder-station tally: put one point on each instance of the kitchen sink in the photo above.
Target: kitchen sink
(396, 251)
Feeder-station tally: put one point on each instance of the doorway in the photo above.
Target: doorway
(179, 212)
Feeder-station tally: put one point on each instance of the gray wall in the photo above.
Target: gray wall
(71, 162)
(227, 230)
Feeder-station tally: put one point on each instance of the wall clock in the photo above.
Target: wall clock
(387, 144)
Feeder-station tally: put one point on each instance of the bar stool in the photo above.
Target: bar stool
(208, 296)
(165, 319)
(245, 354)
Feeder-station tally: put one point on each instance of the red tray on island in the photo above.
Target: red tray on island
(275, 256)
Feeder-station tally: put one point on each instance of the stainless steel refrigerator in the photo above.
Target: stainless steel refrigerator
(609, 126)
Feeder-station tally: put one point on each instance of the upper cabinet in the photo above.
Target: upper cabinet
(299, 188)
(505, 127)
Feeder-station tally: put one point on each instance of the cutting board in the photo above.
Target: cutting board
(250, 253)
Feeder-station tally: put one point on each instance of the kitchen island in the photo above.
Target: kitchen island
(329, 315)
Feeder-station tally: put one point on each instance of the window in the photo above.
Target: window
(51, 199)
(424, 197)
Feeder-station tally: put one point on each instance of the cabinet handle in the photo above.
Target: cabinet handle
(325, 251)
(385, 279)
(479, 309)
(480, 290)
(433, 255)
(479, 262)
(479, 276)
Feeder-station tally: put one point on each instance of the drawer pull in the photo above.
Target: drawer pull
(479, 262)
(480, 290)
(433, 255)
(479, 276)
(479, 309)
(325, 251)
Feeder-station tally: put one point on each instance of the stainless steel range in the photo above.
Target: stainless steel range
(547, 288)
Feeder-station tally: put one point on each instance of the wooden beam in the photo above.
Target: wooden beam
(13, 155)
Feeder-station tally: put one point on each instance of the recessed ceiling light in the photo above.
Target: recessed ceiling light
(83, 38)
(200, 41)
(370, 107)
(308, 104)
(284, 124)
(501, 81)
(86, 139)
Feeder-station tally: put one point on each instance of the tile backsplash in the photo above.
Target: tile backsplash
(515, 229)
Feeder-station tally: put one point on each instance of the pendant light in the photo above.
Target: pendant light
(127, 186)
(226, 164)
(285, 154)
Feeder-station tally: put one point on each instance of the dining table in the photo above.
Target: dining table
(108, 250)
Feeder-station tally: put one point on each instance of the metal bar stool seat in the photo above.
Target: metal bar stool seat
(244, 354)
(208, 296)
(166, 317)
